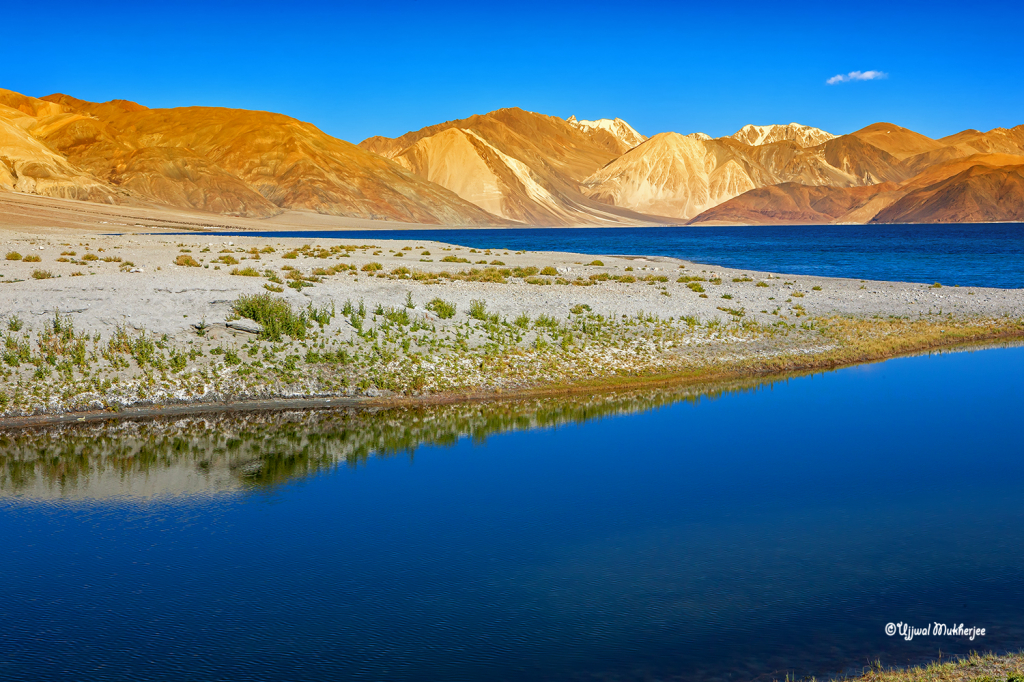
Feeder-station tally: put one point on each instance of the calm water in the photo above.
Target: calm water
(761, 531)
(989, 255)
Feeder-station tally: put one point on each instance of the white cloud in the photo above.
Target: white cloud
(857, 76)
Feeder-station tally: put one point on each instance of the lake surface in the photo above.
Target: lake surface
(750, 533)
(981, 255)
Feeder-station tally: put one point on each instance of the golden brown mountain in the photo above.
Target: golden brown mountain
(898, 142)
(791, 203)
(684, 175)
(979, 194)
(27, 165)
(799, 203)
(224, 160)
(508, 166)
(515, 164)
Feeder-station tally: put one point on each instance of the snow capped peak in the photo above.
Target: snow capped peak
(617, 127)
(805, 136)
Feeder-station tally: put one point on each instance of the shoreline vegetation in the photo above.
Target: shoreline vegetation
(975, 667)
(116, 322)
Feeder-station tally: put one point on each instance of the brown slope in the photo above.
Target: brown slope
(175, 176)
(969, 143)
(517, 164)
(682, 176)
(27, 165)
(292, 164)
(938, 172)
(570, 151)
(896, 141)
(979, 194)
(791, 203)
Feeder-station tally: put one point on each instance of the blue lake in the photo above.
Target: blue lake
(988, 255)
(764, 530)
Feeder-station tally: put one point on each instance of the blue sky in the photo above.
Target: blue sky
(369, 68)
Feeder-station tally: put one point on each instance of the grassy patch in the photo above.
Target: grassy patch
(275, 315)
(441, 308)
(183, 260)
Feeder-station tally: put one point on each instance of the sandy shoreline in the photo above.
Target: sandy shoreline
(108, 322)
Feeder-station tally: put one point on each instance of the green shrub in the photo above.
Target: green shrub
(443, 309)
(399, 316)
(275, 315)
(478, 310)
(41, 274)
(183, 260)
(549, 271)
(13, 255)
(246, 272)
(596, 262)
(32, 259)
(453, 259)
(372, 267)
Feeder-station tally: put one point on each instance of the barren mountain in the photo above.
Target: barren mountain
(506, 166)
(617, 127)
(800, 203)
(898, 142)
(27, 165)
(803, 136)
(676, 175)
(979, 194)
(791, 203)
(515, 164)
(221, 160)
(684, 175)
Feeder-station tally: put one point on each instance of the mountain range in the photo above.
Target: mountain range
(506, 167)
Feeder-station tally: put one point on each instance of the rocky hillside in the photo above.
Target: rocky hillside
(229, 161)
(516, 164)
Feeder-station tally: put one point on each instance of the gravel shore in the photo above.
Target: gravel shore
(580, 317)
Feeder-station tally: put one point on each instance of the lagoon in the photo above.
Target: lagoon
(747, 530)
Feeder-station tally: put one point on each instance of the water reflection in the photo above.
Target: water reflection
(235, 453)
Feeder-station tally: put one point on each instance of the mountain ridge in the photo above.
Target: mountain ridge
(509, 166)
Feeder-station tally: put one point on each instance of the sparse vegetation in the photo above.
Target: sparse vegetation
(183, 260)
(275, 315)
(13, 255)
(443, 309)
